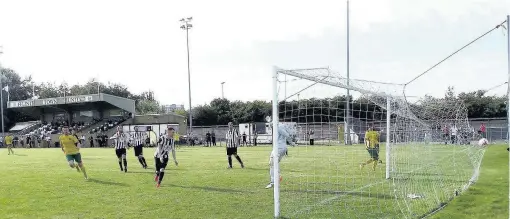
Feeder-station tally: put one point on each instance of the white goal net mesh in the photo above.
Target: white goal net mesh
(431, 157)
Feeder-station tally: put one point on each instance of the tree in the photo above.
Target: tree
(481, 106)
(223, 110)
(19, 89)
(48, 90)
(258, 110)
(148, 107)
(181, 112)
(239, 113)
(116, 89)
(204, 115)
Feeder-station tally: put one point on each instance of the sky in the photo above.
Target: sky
(140, 44)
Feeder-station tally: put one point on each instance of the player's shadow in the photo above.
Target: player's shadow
(259, 169)
(107, 182)
(212, 189)
(146, 172)
(21, 155)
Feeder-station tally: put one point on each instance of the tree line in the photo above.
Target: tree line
(221, 111)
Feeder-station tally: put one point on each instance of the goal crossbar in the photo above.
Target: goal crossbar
(334, 84)
(295, 73)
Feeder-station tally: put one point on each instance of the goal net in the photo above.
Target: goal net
(421, 156)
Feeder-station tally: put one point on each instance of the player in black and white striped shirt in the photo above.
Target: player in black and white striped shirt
(121, 144)
(138, 141)
(165, 146)
(232, 138)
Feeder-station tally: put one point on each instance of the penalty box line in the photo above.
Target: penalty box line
(325, 201)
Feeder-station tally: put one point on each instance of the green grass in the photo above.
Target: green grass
(488, 198)
(319, 182)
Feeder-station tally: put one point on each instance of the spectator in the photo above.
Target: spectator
(29, 141)
(48, 141)
(82, 139)
(255, 135)
(15, 141)
(454, 134)
(312, 136)
(91, 140)
(208, 139)
(104, 140)
(446, 134)
(482, 131)
(244, 139)
(213, 138)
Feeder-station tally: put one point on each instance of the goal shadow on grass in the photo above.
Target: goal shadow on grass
(342, 193)
(211, 189)
(98, 181)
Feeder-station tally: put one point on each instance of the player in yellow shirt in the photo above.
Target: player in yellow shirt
(8, 142)
(372, 145)
(177, 138)
(71, 148)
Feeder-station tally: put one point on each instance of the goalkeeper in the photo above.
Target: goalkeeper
(372, 139)
(284, 135)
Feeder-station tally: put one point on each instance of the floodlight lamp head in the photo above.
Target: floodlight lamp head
(189, 18)
(189, 25)
(183, 27)
(182, 20)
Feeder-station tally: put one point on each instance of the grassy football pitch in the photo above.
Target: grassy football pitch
(318, 182)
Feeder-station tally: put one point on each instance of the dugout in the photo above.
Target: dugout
(88, 109)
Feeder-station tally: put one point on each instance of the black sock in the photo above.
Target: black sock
(144, 162)
(239, 159)
(125, 163)
(229, 161)
(161, 175)
(141, 161)
(120, 165)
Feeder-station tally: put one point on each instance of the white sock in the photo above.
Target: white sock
(271, 172)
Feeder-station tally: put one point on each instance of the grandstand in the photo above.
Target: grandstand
(85, 114)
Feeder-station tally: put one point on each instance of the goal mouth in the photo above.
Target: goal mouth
(365, 151)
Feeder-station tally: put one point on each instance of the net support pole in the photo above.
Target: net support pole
(276, 166)
(388, 133)
(508, 90)
(347, 104)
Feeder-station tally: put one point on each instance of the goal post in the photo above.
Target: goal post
(276, 165)
(388, 142)
(412, 175)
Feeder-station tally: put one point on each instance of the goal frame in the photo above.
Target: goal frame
(275, 119)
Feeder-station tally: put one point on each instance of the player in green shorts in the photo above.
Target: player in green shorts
(71, 148)
(372, 144)
(8, 142)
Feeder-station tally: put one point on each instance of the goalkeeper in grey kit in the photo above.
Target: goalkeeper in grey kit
(165, 145)
(285, 134)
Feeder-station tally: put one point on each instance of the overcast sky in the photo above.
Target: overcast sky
(140, 44)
